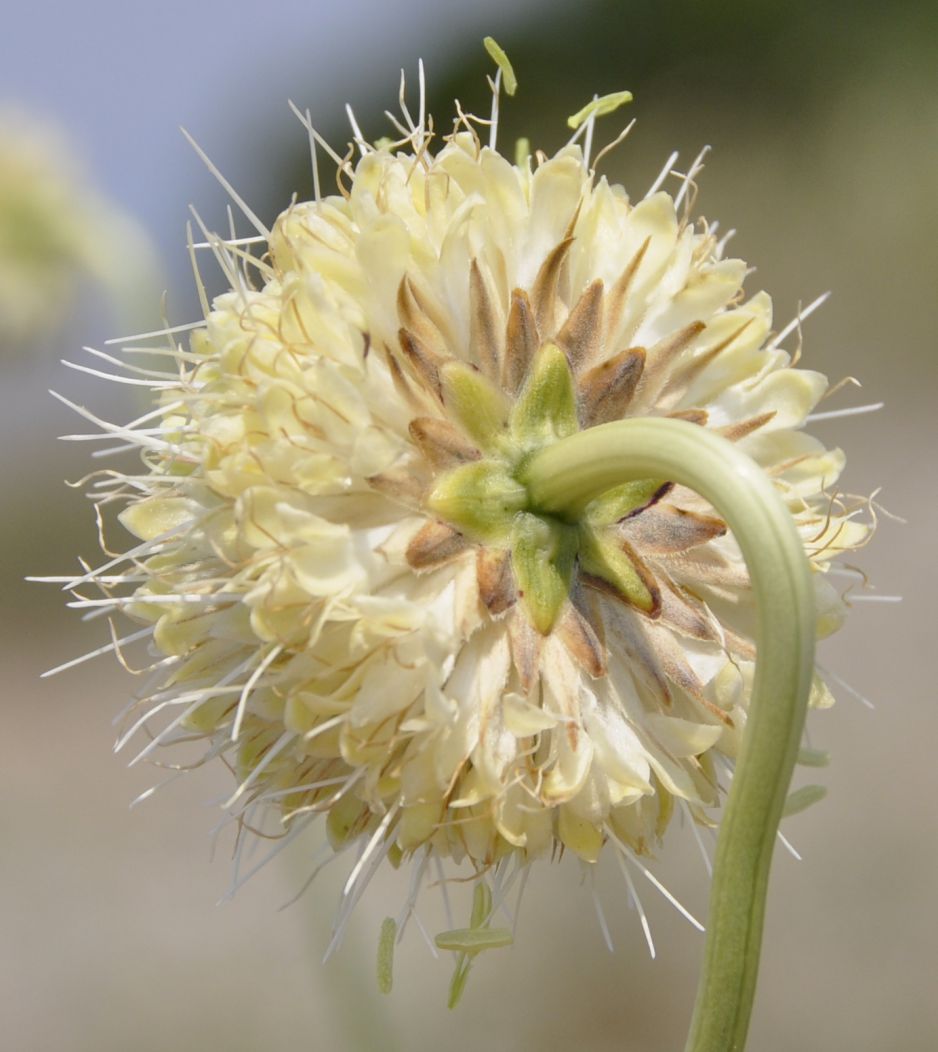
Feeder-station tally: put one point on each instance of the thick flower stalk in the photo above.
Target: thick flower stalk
(358, 584)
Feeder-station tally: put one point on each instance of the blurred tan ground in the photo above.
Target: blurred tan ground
(110, 936)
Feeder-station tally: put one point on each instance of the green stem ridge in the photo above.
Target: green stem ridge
(562, 478)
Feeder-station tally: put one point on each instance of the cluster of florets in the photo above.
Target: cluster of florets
(348, 593)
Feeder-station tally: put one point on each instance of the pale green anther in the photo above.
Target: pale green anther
(813, 757)
(467, 942)
(522, 152)
(500, 59)
(473, 940)
(599, 107)
(621, 501)
(481, 499)
(543, 553)
(801, 799)
(480, 406)
(386, 954)
(546, 407)
(385, 142)
(458, 983)
(603, 555)
(481, 904)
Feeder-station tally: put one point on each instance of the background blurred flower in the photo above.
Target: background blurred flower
(58, 233)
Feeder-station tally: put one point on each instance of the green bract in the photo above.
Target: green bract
(486, 501)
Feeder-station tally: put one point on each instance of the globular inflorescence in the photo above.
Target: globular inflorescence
(348, 593)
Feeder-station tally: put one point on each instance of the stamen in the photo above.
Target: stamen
(350, 901)
(431, 945)
(272, 753)
(500, 58)
(308, 124)
(157, 385)
(422, 111)
(107, 649)
(600, 916)
(417, 870)
(283, 843)
(411, 127)
(835, 414)
(369, 849)
(493, 120)
(610, 146)
(662, 175)
(360, 141)
(704, 854)
(113, 429)
(633, 894)
(249, 214)
(161, 374)
(223, 258)
(229, 242)
(525, 874)
(797, 320)
(653, 880)
(441, 881)
(789, 847)
(188, 327)
(249, 686)
(863, 598)
(688, 183)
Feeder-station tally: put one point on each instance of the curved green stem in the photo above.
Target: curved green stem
(562, 478)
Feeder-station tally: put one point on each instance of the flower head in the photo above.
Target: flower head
(350, 595)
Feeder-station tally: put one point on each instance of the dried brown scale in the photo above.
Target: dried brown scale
(664, 529)
(734, 432)
(578, 636)
(618, 294)
(442, 444)
(521, 341)
(600, 584)
(692, 416)
(544, 290)
(435, 545)
(607, 389)
(684, 373)
(424, 363)
(483, 325)
(497, 588)
(684, 613)
(581, 334)
(525, 644)
(658, 365)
